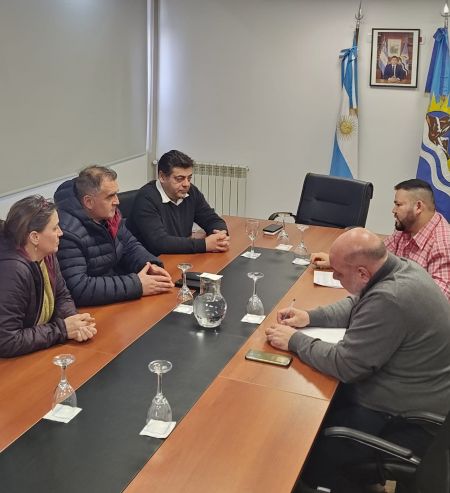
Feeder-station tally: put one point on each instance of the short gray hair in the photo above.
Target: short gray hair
(90, 179)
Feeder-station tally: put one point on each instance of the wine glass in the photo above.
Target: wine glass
(300, 250)
(255, 305)
(184, 295)
(283, 237)
(64, 393)
(252, 230)
(160, 408)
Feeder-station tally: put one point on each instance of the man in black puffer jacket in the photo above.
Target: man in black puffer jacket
(101, 261)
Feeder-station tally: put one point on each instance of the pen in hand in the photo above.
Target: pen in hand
(286, 315)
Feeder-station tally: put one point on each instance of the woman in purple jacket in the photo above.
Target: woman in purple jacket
(36, 309)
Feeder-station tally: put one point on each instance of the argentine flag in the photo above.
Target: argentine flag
(345, 152)
(383, 59)
(434, 163)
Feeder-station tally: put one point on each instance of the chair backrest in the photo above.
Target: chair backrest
(332, 201)
(126, 200)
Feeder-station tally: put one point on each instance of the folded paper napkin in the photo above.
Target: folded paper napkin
(253, 319)
(158, 429)
(62, 413)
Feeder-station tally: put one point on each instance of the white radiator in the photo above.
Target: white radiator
(223, 185)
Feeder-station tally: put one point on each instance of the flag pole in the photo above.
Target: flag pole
(358, 17)
(344, 160)
(445, 14)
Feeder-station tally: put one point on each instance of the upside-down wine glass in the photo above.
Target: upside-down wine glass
(252, 230)
(64, 393)
(283, 237)
(160, 409)
(300, 250)
(184, 295)
(255, 305)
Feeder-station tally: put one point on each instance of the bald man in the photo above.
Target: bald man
(395, 355)
(422, 234)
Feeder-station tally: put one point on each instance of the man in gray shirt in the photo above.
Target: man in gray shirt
(394, 357)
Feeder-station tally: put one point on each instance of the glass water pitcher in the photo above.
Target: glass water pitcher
(210, 306)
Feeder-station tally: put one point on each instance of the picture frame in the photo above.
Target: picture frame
(395, 57)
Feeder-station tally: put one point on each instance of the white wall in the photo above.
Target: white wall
(130, 174)
(256, 82)
(73, 86)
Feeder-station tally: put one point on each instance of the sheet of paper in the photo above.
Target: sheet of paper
(253, 319)
(158, 429)
(62, 413)
(323, 278)
(328, 335)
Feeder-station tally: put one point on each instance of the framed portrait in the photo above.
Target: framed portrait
(395, 57)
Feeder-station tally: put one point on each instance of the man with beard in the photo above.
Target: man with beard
(422, 235)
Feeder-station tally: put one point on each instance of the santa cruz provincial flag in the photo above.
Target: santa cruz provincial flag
(434, 162)
(345, 152)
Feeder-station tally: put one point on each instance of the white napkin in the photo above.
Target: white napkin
(188, 309)
(158, 429)
(253, 319)
(213, 277)
(284, 247)
(62, 413)
(301, 261)
(248, 254)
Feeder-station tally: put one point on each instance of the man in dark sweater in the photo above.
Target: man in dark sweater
(165, 210)
(394, 357)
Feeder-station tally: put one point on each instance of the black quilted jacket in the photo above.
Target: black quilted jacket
(98, 268)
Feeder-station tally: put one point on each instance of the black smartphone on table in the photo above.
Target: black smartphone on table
(192, 280)
(272, 229)
(271, 358)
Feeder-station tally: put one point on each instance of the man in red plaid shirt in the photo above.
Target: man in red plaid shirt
(422, 235)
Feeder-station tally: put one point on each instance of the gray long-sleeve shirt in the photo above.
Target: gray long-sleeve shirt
(395, 355)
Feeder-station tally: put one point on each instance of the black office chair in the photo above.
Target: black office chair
(332, 201)
(429, 474)
(126, 200)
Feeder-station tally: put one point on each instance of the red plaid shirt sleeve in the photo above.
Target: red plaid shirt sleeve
(430, 248)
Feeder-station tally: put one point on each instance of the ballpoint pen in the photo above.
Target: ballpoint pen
(291, 305)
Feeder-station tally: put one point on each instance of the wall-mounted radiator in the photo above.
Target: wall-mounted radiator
(223, 185)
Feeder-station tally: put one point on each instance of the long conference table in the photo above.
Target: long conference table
(242, 426)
